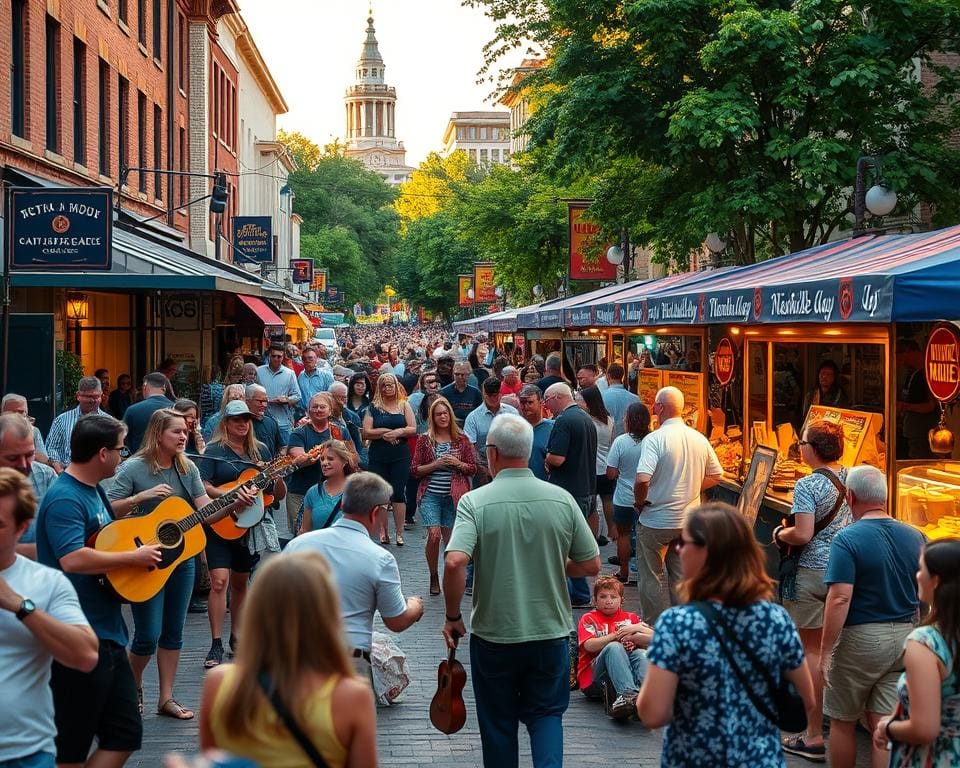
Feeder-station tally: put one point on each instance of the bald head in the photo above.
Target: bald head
(670, 400)
(557, 397)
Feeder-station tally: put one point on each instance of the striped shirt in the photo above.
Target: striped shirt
(440, 479)
(58, 439)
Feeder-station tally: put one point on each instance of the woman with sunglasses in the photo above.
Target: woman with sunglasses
(387, 424)
(444, 461)
(690, 686)
(924, 732)
(156, 472)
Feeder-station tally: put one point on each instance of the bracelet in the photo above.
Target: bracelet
(776, 534)
(886, 730)
(458, 617)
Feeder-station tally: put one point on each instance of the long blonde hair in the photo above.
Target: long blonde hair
(377, 400)
(249, 443)
(149, 449)
(454, 429)
(291, 625)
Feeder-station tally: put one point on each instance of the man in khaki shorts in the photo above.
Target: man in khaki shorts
(871, 607)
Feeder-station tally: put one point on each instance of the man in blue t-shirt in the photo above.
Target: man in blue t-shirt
(462, 397)
(102, 703)
(531, 408)
(871, 607)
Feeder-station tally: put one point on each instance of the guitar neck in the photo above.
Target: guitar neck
(261, 481)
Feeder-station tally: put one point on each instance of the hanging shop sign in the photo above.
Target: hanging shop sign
(723, 362)
(253, 239)
(319, 283)
(484, 288)
(464, 284)
(60, 229)
(942, 364)
(302, 271)
(587, 259)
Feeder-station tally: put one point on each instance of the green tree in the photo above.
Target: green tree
(434, 185)
(741, 116)
(305, 153)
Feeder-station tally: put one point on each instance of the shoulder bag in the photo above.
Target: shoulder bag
(789, 714)
(266, 685)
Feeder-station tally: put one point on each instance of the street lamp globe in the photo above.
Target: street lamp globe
(470, 293)
(538, 290)
(615, 255)
(880, 201)
(498, 291)
(715, 243)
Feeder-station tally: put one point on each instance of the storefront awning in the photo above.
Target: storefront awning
(259, 307)
(295, 319)
(495, 322)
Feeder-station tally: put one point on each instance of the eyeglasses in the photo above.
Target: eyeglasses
(122, 451)
(489, 446)
(681, 542)
(803, 442)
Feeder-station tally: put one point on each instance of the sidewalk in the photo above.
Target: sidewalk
(404, 733)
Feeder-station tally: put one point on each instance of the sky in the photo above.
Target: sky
(432, 49)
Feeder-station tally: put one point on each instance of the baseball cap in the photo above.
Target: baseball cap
(236, 408)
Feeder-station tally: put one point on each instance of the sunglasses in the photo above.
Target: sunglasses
(679, 543)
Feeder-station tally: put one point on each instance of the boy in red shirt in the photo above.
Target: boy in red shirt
(611, 648)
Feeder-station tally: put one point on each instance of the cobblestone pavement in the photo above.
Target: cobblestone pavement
(404, 733)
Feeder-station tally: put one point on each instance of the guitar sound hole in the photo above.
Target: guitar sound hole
(169, 535)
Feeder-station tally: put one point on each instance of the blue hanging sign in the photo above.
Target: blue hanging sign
(253, 239)
(63, 228)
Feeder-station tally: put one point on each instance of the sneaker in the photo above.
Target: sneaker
(625, 579)
(214, 655)
(623, 707)
(795, 745)
(613, 560)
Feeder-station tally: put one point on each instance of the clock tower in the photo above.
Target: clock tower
(370, 111)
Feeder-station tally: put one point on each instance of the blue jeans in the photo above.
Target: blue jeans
(517, 683)
(159, 621)
(36, 760)
(624, 670)
(577, 586)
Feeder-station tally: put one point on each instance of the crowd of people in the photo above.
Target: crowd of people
(294, 479)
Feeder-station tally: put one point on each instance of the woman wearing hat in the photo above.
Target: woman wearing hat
(232, 450)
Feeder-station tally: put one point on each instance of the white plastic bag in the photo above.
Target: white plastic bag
(388, 664)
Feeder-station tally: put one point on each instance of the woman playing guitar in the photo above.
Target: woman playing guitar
(232, 449)
(157, 471)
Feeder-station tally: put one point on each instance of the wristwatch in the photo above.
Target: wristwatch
(26, 608)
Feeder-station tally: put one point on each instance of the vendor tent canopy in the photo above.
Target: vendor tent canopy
(504, 321)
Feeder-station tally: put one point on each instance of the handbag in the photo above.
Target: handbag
(266, 685)
(789, 713)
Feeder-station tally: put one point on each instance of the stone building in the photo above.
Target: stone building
(484, 136)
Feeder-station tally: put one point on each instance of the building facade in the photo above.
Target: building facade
(517, 100)
(370, 105)
(484, 136)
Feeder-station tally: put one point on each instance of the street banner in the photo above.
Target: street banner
(302, 271)
(484, 287)
(319, 283)
(63, 229)
(252, 239)
(587, 260)
(464, 283)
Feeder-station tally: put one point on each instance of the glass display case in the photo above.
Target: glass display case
(928, 497)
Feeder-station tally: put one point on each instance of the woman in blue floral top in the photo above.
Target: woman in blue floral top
(690, 686)
(924, 732)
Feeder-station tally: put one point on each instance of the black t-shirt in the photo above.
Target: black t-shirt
(547, 381)
(137, 416)
(462, 402)
(574, 437)
(219, 472)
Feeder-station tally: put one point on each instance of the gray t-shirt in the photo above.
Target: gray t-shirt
(134, 475)
(816, 495)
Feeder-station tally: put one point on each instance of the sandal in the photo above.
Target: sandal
(384, 540)
(796, 745)
(399, 541)
(214, 655)
(140, 701)
(434, 584)
(170, 708)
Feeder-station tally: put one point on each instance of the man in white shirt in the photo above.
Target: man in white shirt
(367, 575)
(40, 620)
(283, 392)
(676, 465)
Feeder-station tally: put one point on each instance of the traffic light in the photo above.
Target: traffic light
(218, 199)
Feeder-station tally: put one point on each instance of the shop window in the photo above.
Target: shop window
(18, 67)
(79, 101)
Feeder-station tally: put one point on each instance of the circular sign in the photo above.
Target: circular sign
(942, 362)
(723, 361)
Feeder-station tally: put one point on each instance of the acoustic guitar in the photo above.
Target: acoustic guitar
(176, 527)
(234, 525)
(448, 713)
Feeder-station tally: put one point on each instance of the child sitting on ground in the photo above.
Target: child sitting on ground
(611, 649)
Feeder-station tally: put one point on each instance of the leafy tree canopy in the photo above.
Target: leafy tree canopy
(741, 116)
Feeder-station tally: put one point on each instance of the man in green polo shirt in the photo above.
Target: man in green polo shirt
(525, 537)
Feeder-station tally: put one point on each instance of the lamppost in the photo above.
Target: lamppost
(471, 294)
(878, 200)
(620, 254)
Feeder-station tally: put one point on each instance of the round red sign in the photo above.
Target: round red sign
(723, 362)
(942, 365)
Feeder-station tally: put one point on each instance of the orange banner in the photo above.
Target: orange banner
(484, 287)
(464, 283)
(587, 261)
(319, 281)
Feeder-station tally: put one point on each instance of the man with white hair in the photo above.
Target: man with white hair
(13, 403)
(521, 619)
(871, 607)
(677, 464)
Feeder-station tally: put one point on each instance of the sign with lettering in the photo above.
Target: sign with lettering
(587, 257)
(253, 239)
(604, 314)
(63, 229)
(579, 317)
(723, 361)
(302, 271)
(319, 283)
(942, 367)
(484, 288)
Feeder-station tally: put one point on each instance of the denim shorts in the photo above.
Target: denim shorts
(625, 515)
(436, 510)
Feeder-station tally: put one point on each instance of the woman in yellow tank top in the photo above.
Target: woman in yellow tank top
(291, 630)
